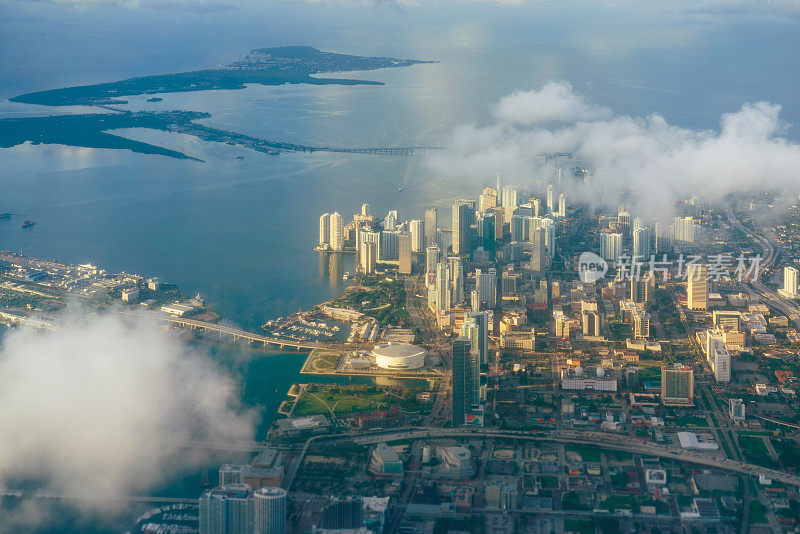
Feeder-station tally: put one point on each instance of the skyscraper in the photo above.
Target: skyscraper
(442, 287)
(790, 282)
(461, 358)
(365, 210)
(480, 342)
(269, 511)
(562, 205)
(390, 221)
(499, 221)
(368, 256)
(610, 246)
(539, 254)
(488, 233)
(697, 286)
(623, 222)
(389, 248)
(487, 200)
(642, 238)
(550, 199)
(457, 279)
(486, 287)
(470, 330)
(431, 259)
(430, 227)
(324, 229)
(461, 224)
(677, 385)
(509, 201)
(684, 230)
(664, 237)
(417, 235)
(336, 231)
(404, 253)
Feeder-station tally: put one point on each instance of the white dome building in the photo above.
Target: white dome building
(399, 356)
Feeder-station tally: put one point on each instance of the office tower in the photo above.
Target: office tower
(442, 287)
(509, 201)
(324, 229)
(336, 231)
(343, 513)
(637, 223)
(610, 246)
(642, 238)
(640, 288)
(736, 409)
(697, 286)
(389, 246)
(469, 330)
(684, 230)
(623, 222)
(461, 358)
(404, 253)
(488, 232)
(641, 324)
(366, 211)
(487, 200)
(479, 337)
(430, 227)
(790, 282)
(677, 385)
(499, 189)
(550, 199)
(227, 510)
(486, 287)
(368, 257)
(549, 236)
(663, 237)
(719, 360)
(562, 205)
(461, 224)
(269, 511)
(457, 279)
(417, 235)
(536, 206)
(431, 259)
(499, 221)
(390, 221)
(508, 283)
(539, 254)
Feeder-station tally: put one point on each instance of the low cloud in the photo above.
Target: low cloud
(101, 406)
(554, 102)
(644, 161)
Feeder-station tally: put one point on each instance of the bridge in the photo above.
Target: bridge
(396, 151)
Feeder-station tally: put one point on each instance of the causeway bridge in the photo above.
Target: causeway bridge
(242, 335)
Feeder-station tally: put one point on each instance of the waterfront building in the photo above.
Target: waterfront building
(697, 286)
(336, 232)
(677, 385)
(399, 356)
(417, 235)
(461, 359)
(324, 229)
(431, 224)
(389, 246)
(227, 510)
(269, 511)
(368, 257)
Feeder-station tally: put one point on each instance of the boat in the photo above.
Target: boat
(346, 275)
(4, 215)
(29, 224)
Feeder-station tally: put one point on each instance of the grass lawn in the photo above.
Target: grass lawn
(321, 399)
(588, 454)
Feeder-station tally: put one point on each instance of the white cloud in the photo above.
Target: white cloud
(645, 160)
(101, 407)
(554, 102)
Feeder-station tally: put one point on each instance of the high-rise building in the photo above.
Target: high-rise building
(462, 220)
(640, 288)
(550, 199)
(336, 231)
(591, 323)
(480, 340)
(510, 201)
(365, 210)
(697, 286)
(789, 282)
(499, 221)
(623, 222)
(461, 359)
(457, 279)
(431, 259)
(389, 246)
(486, 287)
(499, 188)
(368, 256)
(431, 224)
(324, 229)
(610, 246)
(469, 330)
(539, 252)
(269, 511)
(664, 235)
(390, 221)
(642, 238)
(442, 287)
(488, 225)
(343, 513)
(549, 236)
(562, 205)
(404, 253)
(684, 230)
(719, 360)
(227, 510)
(736, 410)
(677, 385)
(417, 235)
(487, 200)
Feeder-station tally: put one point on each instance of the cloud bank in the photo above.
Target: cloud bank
(100, 407)
(645, 161)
